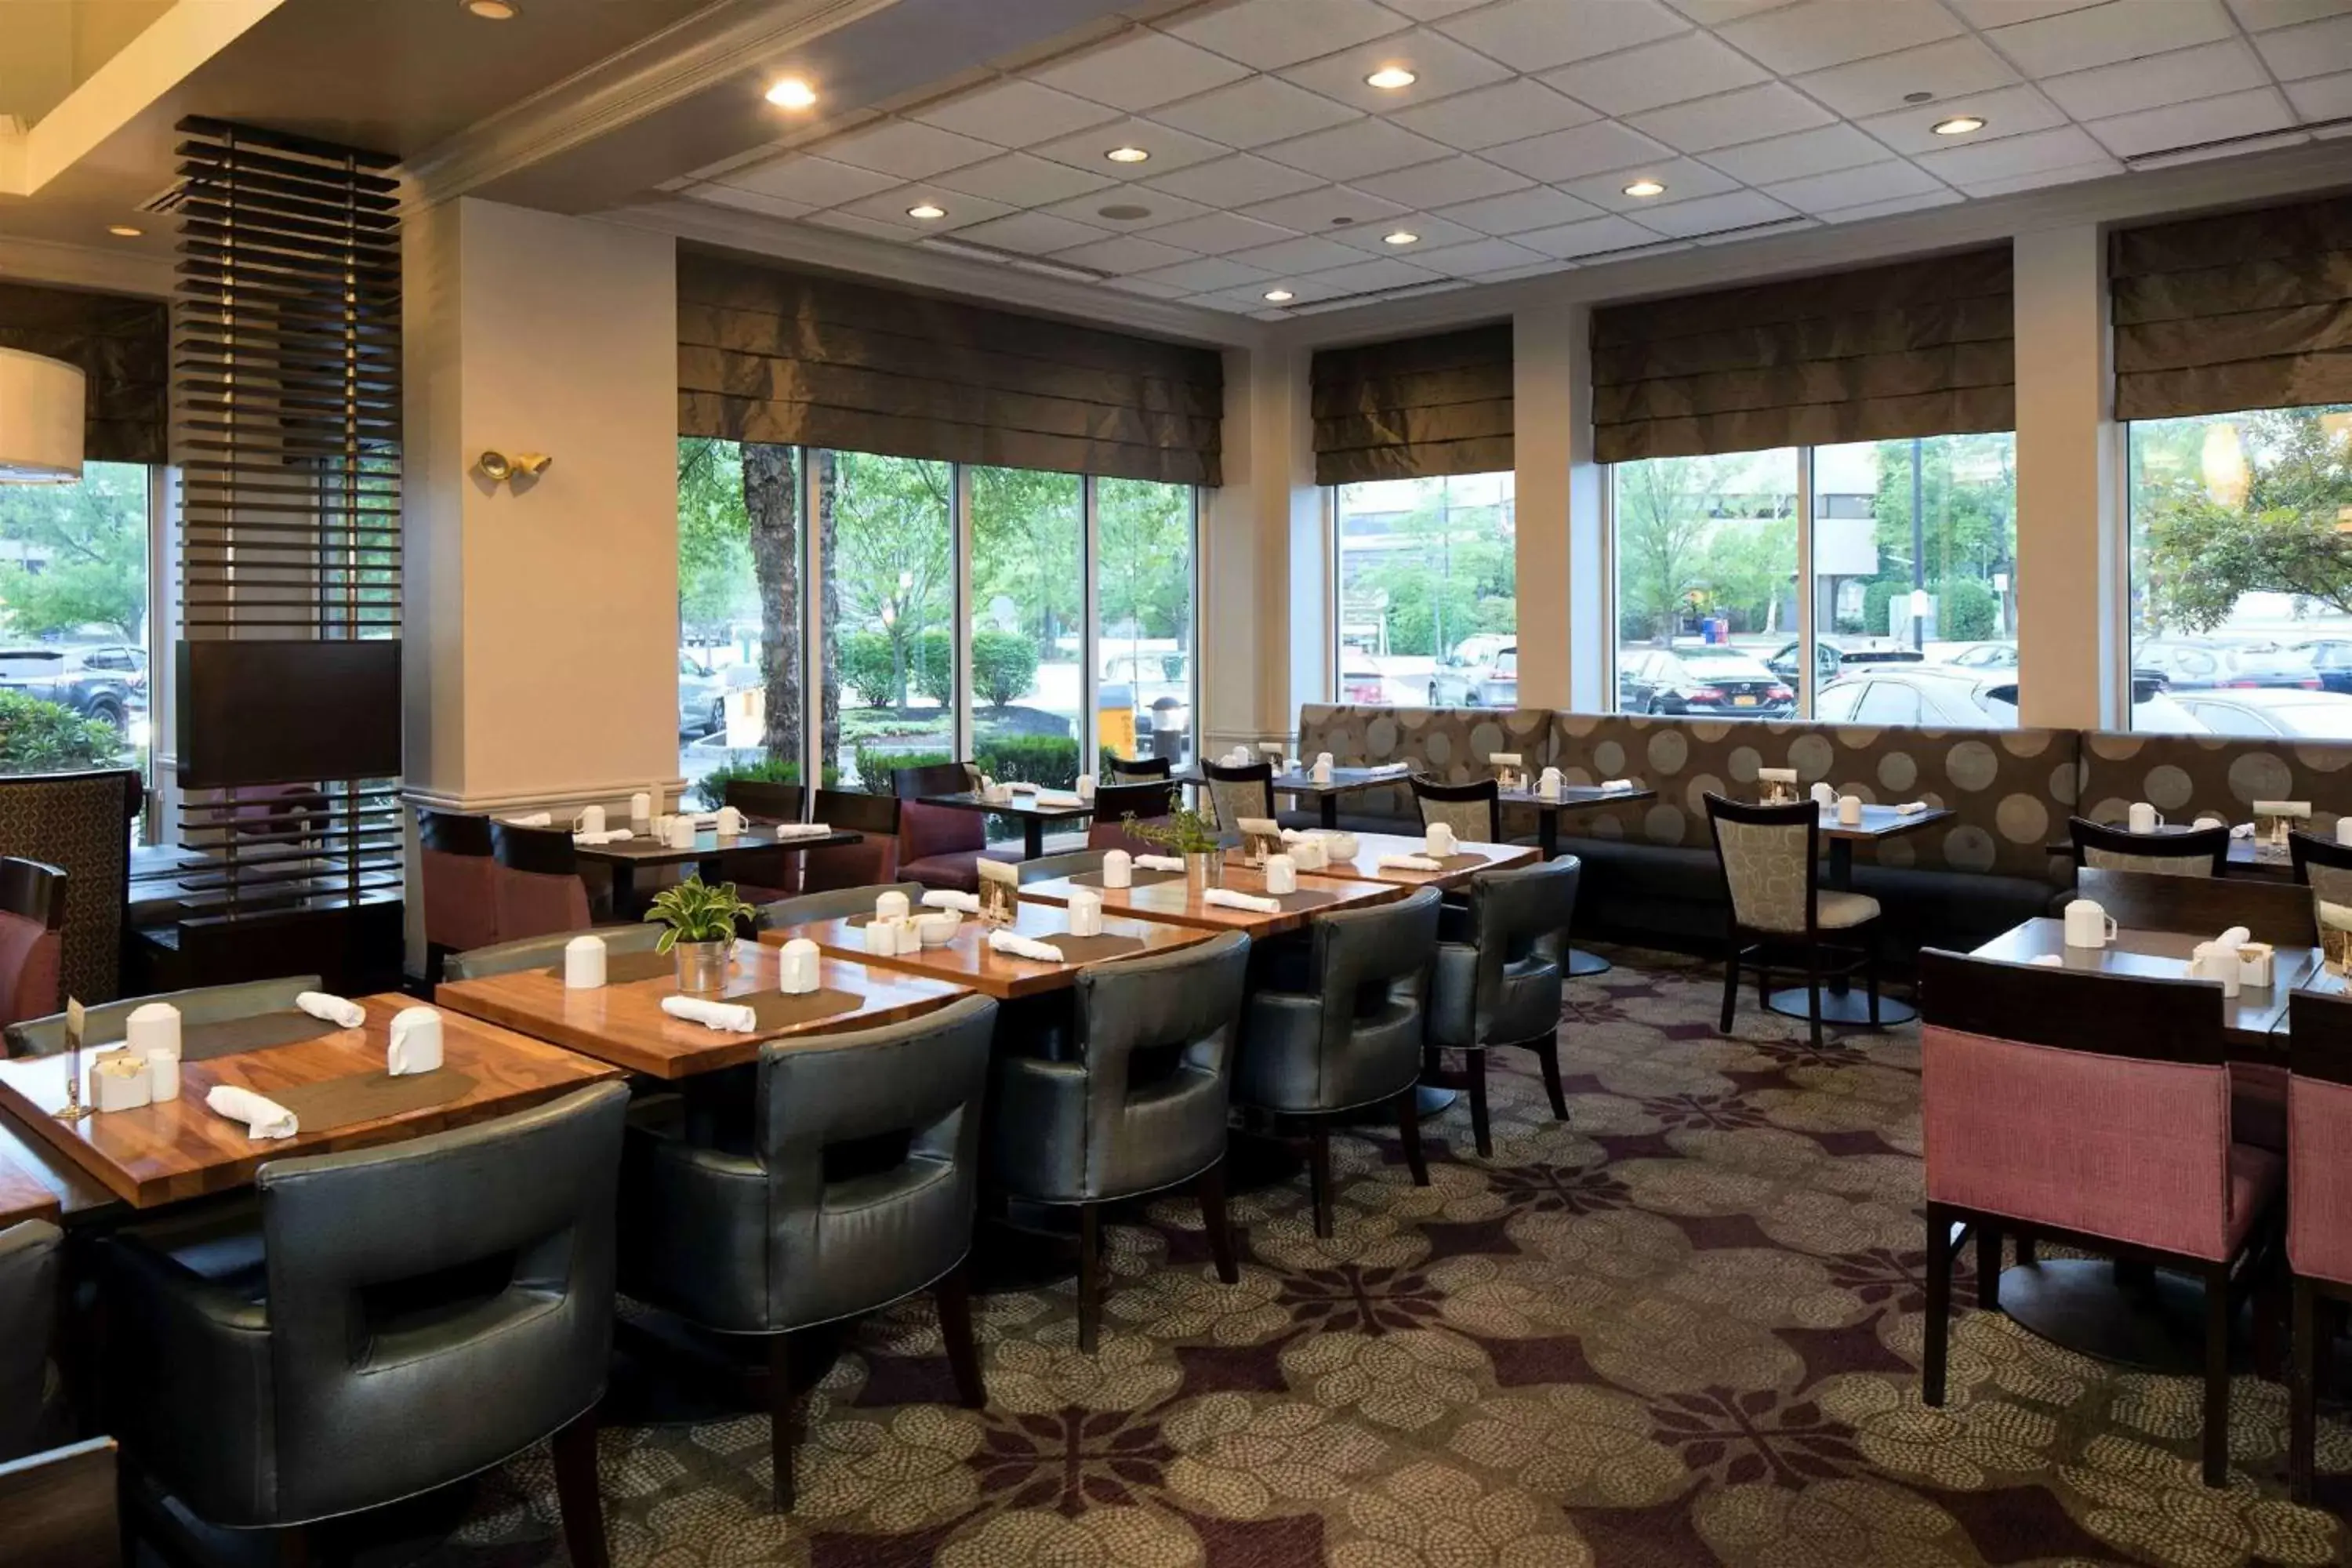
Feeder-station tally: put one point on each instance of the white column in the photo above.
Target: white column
(1265, 559)
(1564, 636)
(2071, 552)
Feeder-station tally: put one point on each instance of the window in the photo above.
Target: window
(73, 614)
(2241, 583)
(739, 573)
(889, 614)
(1147, 675)
(1429, 605)
(1706, 568)
(1028, 624)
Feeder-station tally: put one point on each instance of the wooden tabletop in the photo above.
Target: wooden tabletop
(1024, 803)
(1342, 779)
(1576, 797)
(23, 1194)
(623, 1022)
(1372, 848)
(969, 960)
(2249, 1018)
(180, 1148)
(708, 845)
(1176, 903)
(1879, 822)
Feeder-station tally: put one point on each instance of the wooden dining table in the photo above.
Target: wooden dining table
(1170, 897)
(621, 1021)
(968, 961)
(1035, 816)
(2254, 1022)
(706, 854)
(24, 1194)
(1343, 782)
(1466, 862)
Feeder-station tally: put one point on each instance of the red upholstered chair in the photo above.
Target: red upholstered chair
(938, 846)
(32, 939)
(2093, 1111)
(538, 889)
(1116, 803)
(763, 876)
(2319, 1201)
(871, 864)
(455, 861)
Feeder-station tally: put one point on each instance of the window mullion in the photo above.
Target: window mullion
(1809, 679)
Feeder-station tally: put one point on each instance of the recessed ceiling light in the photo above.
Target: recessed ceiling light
(1918, 97)
(926, 211)
(1279, 296)
(494, 10)
(1959, 125)
(1388, 78)
(124, 231)
(1401, 237)
(1647, 188)
(1127, 154)
(791, 93)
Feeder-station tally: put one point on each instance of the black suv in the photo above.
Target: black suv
(105, 683)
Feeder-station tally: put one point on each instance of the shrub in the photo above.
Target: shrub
(1004, 665)
(756, 770)
(1051, 760)
(37, 737)
(1968, 611)
(931, 666)
(873, 766)
(865, 661)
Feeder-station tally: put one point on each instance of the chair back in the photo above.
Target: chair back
(2277, 912)
(1068, 863)
(538, 890)
(107, 1023)
(29, 1263)
(1770, 856)
(1372, 972)
(853, 865)
(1236, 793)
(32, 938)
(546, 952)
(835, 904)
(1139, 770)
(2089, 1102)
(2198, 852)
(928, 830)
(1147, 801)
(763, 800)
(458, 865)
(2319, 1137)
(2324, 866)
(1518, 923)
(870, 1141)
(1474, 810)
(437, 1305)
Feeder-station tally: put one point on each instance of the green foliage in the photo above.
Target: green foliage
(2203, 550)
(756, 770)
(1968, 506)
(38, 737)
(92, 540)
(1877, 605)
(1143, 539)
(1455, 574)
(931, 666)
(1181, 832)
(1026, 534)
(1050, 762)
(694, 910)
(866, 668)
(715, 581)
(1004, 665)
(1705, 536)
(1965, 610)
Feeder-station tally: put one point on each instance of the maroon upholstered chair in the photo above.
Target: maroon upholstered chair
(459, 869)
(32, 939)
(2318, 1202)
(2093, 1111)
(871, 864)
(938, 846)
(763, 876)
(539, 892)
(1116, 803)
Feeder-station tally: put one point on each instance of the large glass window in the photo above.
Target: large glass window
(1706, 570)
(1429, 597)
(886, 540)
(75, 683)
(2242, 574)
(738, 613)
(1028, 624)
(1145, 669)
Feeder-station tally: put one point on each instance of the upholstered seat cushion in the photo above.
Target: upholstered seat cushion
(956, 871)
(2255, 1178)
(2257, 1105)
(1834, 911)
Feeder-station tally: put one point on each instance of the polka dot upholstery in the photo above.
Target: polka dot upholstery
(2189, 776)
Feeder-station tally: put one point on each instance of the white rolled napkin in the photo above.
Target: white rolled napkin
(1227, 898)
(1160, 862)
(799, 830)
(1022, 787)
(948, 899)
(1059, 799)
(532, 819)
(1409, 863)
(2234, 938)
(2243, 830)
(1014, 945)
(1910, 808)
(1085, 913)
(263, 1117)
(331, 1009)
(1086, 786)
(2048, 960)
(610, 835)
(1616, 783)
(728, 1015)
(415, 1042)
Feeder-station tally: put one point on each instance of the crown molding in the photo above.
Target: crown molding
(117, 270)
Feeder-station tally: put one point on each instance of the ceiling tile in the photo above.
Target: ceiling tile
(744, 201)
(1941, 196)
(811, 182)
(1996, 13)
(1255, 111)
(1714, 13)
(1250, 299)
(1821, 33)
(1114, 209)
(2186, 124)
(2102, 34)
(1855, 187)
(1946, 69)
(2315, 48)
(1271, 34)
(1371, 277)
(1021, 181)
(906, 148)
(1033, 234)
(1490, 116)
(1478, 258)
(1749, 114)
(2206, 71)
(1014, 114)
(1362, 147)
(2056, 148)
(1308, 254)
(1536, 35)
(1684, 178)
(1430, 10)
(1795, 157)
(1204, 276)
(2010, 112)
(890, 207)
(2035, 179)
(1672, 70)
(2323, 96)
(1439, 64)
(1332, 206)
(1444, 183)
(1170, 149)
(2261, 13)
(1539, 207)
(1540, 270)
(1588, 238)
(1219, 234)
(1140, 70)
(1435, 233)
(1234, 181)
(856, 224)
(1123, 253)
(1572, 154)
(1733, 209)
(1146, 288)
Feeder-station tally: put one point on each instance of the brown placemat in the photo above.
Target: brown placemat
(779, 1010)
(625, 968)
(227, 1037)
(335, 1102)
(1145, 877)
(1463, 862)
(1093, 949)
(1306, 899)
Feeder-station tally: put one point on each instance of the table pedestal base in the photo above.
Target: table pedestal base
(2153, 1321)
(1581, 963)
(1847, 1007)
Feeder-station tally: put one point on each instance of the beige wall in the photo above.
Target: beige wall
(1265, 558)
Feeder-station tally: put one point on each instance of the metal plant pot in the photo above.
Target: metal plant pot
(701, 965)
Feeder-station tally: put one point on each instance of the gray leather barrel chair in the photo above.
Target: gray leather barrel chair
(1141, 1108)
(835, 904)
(1497, 978)
(1347, 1033)
(29, 1318)
(857, 1188)
(544, 952)
(104, 1024)
(375, 1324)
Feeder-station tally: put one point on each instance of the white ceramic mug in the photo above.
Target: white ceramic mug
(641, 807)
(590, 820)
(2344, 828)
(1085, 913)
(681, 833)
(1549, 785)
(1850, 811)
(731, 821)
(1281, 874)
(1117, 868)
(583, 964)
(1439, 840)
(797, 967)
(891, 906)
(2143, 818)
(2088, 925)
(1823, 795)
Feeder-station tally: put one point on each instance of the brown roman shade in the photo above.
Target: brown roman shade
(1416, 409)
(2249, 310)
(1917, 348)
(122, 345)
(766, 353)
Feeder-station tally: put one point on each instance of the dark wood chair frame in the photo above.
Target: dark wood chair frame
(1488, 790)
(2279, 913)
(1753, 947)
(2306, 850)
(2319, 1046)
(1138, 769)
(1249, 773)
(2088, 836)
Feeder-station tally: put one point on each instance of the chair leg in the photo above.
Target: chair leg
(2217, 1376)
(1318, 1175)
(1939, 1305)
(2024, 1248)
(1869, 981)
(1475, 1063)
(1813, 993)
(574, 1446)
(2303, 1417)
(1548, 1057)
(954, 1295)
(295, 1547)
(1090, 1282)
(1988, 1267)
(1408, 1109)
(1211, 1188)
(783, 1417)
(1730, 987)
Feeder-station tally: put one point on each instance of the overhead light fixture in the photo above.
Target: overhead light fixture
(1279, 296)
(1959, 125)
(494, 10)
(40, 419)
(1127, 154)
(792, 93)
(124, 230)
(926, 211)
(1389, 78)
(1647, 188)
(1401, 237)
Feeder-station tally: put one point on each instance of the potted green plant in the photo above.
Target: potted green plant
(1188, 832)
(701, 920)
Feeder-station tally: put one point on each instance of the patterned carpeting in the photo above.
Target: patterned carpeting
(1682, 1329)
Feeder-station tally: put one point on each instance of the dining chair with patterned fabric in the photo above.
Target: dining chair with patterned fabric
(30, 1258)
(2091, 1109)
(873, 861)
(539, 888)
(32, 938)
(105, 1022)
(2193, 852)
(547, 952)
(938, 846)
(2324, 866)
(762, 876)
(1236, 793)
(458, 863)
(1139, 770)
(1147, 801)
(2319, 1204)
(1474, 810)
(1770, 856)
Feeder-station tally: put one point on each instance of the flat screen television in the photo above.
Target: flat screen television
(286, 713)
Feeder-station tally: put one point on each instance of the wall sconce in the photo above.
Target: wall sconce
(498, 468)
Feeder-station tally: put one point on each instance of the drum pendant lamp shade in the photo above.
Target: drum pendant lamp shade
(40, 419)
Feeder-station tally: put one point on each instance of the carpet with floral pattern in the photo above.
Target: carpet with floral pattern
(1682, 1328)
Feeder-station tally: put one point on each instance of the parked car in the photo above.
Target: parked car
(1480, 649)
(109, 690)
(1488, 680)
(2294, 714)
(1936, 694)
(1987, 658)
(1834, 655)
(1497, 683)
(701, 699)
(1360, 679)
(2190, 664)
(2331, 660)
(1720, 680)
